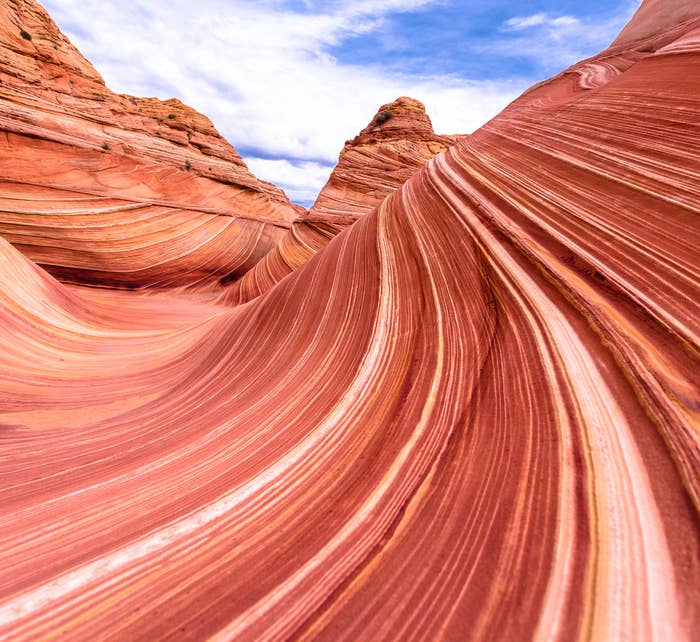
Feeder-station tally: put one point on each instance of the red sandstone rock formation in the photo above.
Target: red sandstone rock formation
(473, 415)
(398, 141)
(129, 191)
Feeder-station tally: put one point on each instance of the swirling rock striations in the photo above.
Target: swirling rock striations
(473, 415)
(130, 191)
(398, 141)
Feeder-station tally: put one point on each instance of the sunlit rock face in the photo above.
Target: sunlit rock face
(118, 190)
(473, 415)
(398, 141)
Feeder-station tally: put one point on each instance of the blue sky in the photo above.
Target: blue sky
(288, 81)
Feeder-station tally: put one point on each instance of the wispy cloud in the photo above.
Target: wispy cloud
(538, 19)
(302, 179)
(555, 42)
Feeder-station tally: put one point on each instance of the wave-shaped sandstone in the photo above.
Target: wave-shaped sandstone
(473, 415)
(396, 143)
(129, 192)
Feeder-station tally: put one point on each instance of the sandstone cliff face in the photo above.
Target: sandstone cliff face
(655, 17)
(179, 202)
(398, 141)
(472, 416)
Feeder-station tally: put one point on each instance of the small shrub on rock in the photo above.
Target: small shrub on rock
(383, 117)
(25, 34)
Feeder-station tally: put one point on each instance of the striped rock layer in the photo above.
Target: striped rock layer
(129, 192)
(472, 416)
(398, 141)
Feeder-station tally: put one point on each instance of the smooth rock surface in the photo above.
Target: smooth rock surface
(472, 416)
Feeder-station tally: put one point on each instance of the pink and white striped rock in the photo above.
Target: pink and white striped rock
(473, 415)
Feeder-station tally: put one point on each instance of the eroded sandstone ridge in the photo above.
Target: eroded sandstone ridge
(396, 143)
(114, 189)
(472, 416)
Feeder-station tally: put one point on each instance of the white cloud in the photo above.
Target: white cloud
(565, 20)
(264, 73)
(539, 19)
(556, 42)
(302, 181)
(524, 22)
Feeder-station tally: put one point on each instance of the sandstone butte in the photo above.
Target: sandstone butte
(398, 141)
(473, 415)
(130, 192)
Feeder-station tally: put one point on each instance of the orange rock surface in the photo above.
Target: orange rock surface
(398, 141)
(473, 415)
(129, 191)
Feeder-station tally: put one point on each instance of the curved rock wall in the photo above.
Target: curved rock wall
(398, 141)
(473, 415)
(126, 160)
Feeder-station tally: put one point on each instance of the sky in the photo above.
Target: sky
(287, 82)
